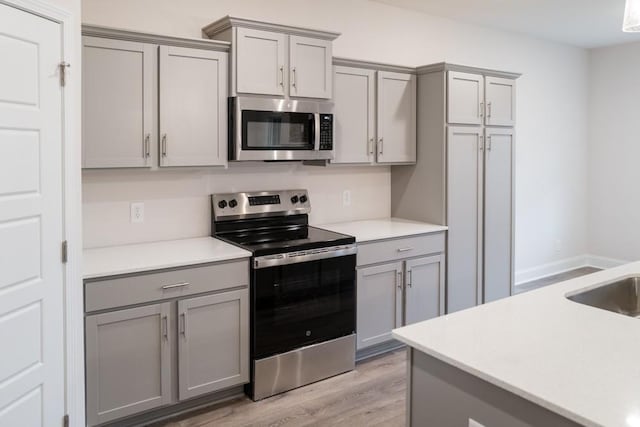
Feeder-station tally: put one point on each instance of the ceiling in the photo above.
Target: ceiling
(584, 23)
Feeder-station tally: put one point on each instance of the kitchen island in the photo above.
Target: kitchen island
(534, 359)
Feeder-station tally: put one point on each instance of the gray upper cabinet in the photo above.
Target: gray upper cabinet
(465, 98)
(276, 60)
(354, 115)
(213, 342)
(193, 107)
(379, 307)
(127, 362)
(118, 103)
(498, 213)
(500, 94)
(396, 120)
(310, 67)
(465, 166)
(261, 63)
(425, 288)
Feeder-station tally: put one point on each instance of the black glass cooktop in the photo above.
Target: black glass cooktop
(273, 235)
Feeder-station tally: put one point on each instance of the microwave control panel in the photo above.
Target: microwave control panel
(326, 131)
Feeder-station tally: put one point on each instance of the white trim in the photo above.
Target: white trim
(550, 269)
(72, 183)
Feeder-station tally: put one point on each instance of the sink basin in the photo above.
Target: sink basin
(622, 296)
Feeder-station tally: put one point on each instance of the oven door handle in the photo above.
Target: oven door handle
(316, 132)
(303, 256)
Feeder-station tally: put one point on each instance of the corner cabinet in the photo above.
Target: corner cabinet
(276, 60)
(375, 113)
(400, 282)
(135, 83)
(161, 338)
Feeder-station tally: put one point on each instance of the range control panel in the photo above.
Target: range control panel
(230, 206)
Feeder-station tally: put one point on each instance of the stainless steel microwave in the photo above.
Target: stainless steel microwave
(279, 129)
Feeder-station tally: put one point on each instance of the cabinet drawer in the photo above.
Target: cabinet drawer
(154, 286)
(406, 247)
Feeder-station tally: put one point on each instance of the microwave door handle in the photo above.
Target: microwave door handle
(316, 132)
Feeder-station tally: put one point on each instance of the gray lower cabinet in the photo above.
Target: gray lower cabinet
(399, 293)
(128, 367)
(213, 343)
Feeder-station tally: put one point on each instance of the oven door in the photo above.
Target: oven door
(296, 305)
(276, 129)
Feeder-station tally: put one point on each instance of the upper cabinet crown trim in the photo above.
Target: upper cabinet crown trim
(121, 34)
(378, 66)
(445, 66)
(228, 22)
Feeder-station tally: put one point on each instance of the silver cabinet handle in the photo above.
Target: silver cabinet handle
(147, 144)
(165, 327)
(488, 109)
(183, 324)
(370, 146)
(293, 73)
(164, 145)
(481, 110)
(404, 249)
(481, 143)
(282, 75)
(489, 143)
(409, 277)
(399, 280)
(380, 145)
(176, 285)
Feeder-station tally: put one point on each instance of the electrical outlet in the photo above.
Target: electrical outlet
(137, 212)
(346, 198)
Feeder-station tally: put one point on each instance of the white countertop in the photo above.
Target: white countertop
(380, 229)
(578, 361)
(112, 260)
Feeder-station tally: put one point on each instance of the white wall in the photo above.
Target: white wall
(614, 152)
(552, 119)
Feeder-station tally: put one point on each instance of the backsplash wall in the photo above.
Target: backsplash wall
(176, 202)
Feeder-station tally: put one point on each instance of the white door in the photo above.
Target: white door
(31, 283)
(260, 62)
(424, 291)
(354, 114)
(396, 117)
(501, 101)
(193, 107)
(118, 85)
(310, 67)
(498, 214)
(464, 217)
(465, 98)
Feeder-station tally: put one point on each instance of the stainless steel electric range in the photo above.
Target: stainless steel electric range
(303, 289)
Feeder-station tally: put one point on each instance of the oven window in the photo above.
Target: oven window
(266, 130)
(301, 304)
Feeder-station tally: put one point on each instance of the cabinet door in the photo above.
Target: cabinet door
(310, 67)
(500, 96)
(465, 98)
(128, 366)
(396, 118)
(498, 214)
(213, 342)
(464, 217)
(193, 107)
(424, 291)
(354, 114)
(379, 308)
(117, 103)
(260, 62)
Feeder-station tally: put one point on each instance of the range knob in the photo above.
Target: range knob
(303, 199)
(222, 204)
(233, 203)
(294, 199)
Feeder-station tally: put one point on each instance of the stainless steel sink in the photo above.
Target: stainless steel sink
(621, 297)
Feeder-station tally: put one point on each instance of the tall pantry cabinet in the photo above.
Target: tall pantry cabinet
(464, 177)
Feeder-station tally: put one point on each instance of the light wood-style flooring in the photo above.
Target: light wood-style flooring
(372, 395)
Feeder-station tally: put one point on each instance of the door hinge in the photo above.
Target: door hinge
(63, 72)
(65, 252)
(65, 421)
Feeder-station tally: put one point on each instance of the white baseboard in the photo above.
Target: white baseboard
(568, 264)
